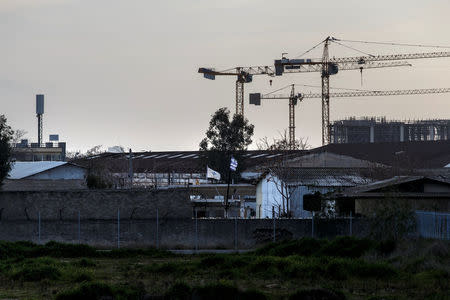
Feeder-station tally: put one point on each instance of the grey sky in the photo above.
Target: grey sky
(125, 72)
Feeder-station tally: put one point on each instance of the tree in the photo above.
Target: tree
(6, 134)
(18, 135)
(225, 138)
(282, 143)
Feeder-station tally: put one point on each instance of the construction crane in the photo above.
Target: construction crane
(245, 74)
(255, 98)
(330, 66)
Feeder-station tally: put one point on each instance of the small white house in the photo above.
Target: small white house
(282, 190)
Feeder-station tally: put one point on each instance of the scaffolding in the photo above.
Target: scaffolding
(379, 130)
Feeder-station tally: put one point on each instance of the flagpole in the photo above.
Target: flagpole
(228, 190)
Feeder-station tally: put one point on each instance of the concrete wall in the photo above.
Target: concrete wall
(42, 185)
(94, 204)
(177, 233)
(98, 224)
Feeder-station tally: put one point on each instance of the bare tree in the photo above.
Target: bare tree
(282, 143)
(18, 135)
(279, 176)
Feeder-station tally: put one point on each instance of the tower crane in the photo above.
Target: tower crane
(331, 65)
(255, 98)
(245, 74)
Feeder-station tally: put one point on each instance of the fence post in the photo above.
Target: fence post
(196, 230)
(274, 228)
(39, 227)
(312, 224)
(157, 228)
(118, 228)
(79, 228)
(235, 234)
(351, 224)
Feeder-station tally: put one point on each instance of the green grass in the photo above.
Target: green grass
(343, 268)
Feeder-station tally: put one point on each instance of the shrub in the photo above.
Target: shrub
(225, 291)
(346, 246)
(36, 272)
(56, 249)
(87, 291)
(375, 270)
(85, 263)
(179, 291)
(95, 290)
(82, 276)
(317, 294)
(303, 247)
(386, 247)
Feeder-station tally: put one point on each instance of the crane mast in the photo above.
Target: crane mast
(292, 103)
(325, 92)
(255, 98)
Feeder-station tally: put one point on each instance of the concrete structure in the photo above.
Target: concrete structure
(418, 192)
(379, 130)
(49, 151)
(208, 200)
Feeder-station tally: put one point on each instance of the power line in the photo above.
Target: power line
(395, 44)
(307, 51)
(354, 49)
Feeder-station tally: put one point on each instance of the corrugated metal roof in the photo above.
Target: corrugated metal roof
(23, 169)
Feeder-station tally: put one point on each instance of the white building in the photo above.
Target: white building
(280, 191)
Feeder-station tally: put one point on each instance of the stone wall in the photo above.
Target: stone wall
(128, 218)
(94, 204)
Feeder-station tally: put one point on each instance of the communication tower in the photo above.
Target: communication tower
(39, 115)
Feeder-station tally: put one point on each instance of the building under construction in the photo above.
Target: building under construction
(379, 130)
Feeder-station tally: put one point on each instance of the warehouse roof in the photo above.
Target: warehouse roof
(408, 155)
(24, 169)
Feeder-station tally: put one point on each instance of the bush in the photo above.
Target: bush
(85, 263)
(179, 291)
(81, 276)
(37, 270)
(224, 291)
(303, 247)
(374, 270)
(87, 291)
(95, 290)
(386, 247)
(56, 249)
(339, 247)
(346, 246)
(317, 294)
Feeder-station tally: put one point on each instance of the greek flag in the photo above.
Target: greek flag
(233, 164)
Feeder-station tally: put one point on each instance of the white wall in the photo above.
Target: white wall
(268, 196)
(63, 172)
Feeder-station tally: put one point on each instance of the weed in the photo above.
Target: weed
(346, 246)
(85, 263)
(96, 290)
(317, 294)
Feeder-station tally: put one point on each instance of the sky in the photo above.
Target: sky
(125, 72)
